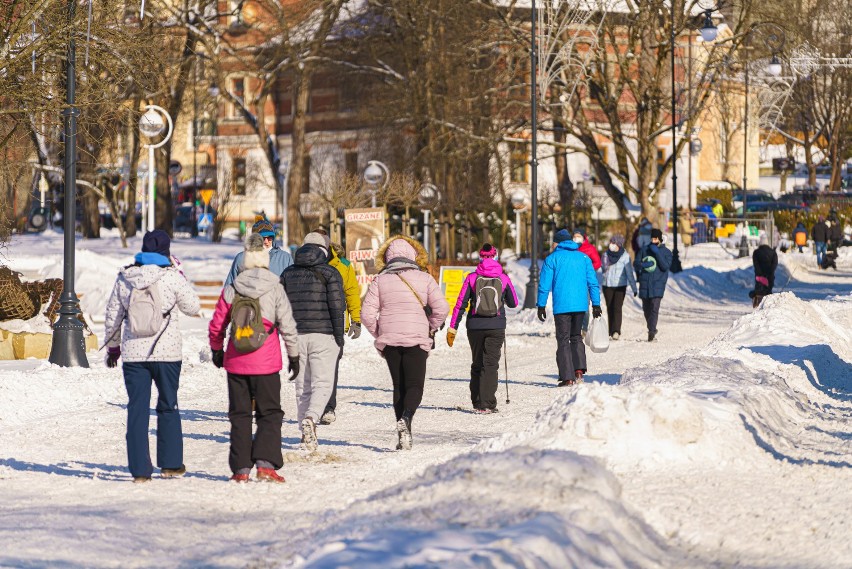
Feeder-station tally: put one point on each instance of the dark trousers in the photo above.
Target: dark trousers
(570, 351)
(485, 346)
(651, 308)
(332, 401)
(407, 367)
(266, 392)
(137, 379)
(614, 296)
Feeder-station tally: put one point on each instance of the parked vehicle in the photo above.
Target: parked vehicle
(185, 222)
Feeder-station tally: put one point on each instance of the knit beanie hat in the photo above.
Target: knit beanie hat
(657, 233)
(255, 255)
(263, 226)
(487, 252)
(562, 235)
(317, 238)
(580, 231)
(157, 241)
(617, 240)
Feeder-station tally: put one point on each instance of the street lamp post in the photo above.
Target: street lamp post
(428, 198)
(151, 124)
(376, 174)
(283, 171)
(531, 296)
(69, 346)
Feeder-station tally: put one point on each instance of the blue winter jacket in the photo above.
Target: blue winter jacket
(278, 261)
(569, 274)
(652, 283)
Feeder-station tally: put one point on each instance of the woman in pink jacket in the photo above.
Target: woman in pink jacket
(403, 309)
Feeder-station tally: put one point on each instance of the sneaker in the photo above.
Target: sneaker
(173, 472)
(403, 428)
(485, 411)
(241, 478)
(328, 417)
(616, 336)
(269, 475)
(141, 479)
(566, 382)
(578, 376)
(309, 434)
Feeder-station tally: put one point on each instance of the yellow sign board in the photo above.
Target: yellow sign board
(451, 280)
(207, 195)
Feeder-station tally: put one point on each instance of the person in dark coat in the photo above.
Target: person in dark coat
(765, 261)
(315, 291)
(652, 271)
(835, 233)
(819, 233)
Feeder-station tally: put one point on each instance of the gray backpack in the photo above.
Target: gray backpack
(489, 296)
(145, 311)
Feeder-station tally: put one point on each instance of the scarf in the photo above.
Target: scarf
(613, 258)
(399, 264)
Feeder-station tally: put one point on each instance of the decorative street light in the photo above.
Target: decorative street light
(283, 171)
(376, 174)
(428, 198)
(69, 346)
(151, 125)
(519, 204)
(531, 295)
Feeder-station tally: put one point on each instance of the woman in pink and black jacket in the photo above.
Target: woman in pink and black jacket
(488, 291)
(403, 309)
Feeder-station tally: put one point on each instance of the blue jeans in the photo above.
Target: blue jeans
(137, 380)
(820, 251)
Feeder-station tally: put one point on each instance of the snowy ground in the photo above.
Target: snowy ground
(725, 443)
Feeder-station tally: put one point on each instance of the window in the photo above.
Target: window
(518, 162)
(306, 175)
(348, 95)
(350, 160)
(238, 90)
(239, 177)
(661, 161)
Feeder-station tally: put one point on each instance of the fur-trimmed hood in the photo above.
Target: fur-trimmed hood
(388, 251)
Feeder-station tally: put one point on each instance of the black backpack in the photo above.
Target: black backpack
(489, 296)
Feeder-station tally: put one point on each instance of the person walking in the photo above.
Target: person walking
(588, 249)
(141, 328)
(652, 269)
(617, 274)
(258, 311)
(835, 232)
(278, 258)
(819, 233)
(487, 292)
(352, 295)
(403, 309)
(765, 261)
(315, 291)
(568, 273)
(800, 236)
(641, 235)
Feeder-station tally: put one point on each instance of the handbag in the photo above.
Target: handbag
(426, 308)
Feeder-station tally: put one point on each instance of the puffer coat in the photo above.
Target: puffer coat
(315, 291)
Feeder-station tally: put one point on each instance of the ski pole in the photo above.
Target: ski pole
(506, 365)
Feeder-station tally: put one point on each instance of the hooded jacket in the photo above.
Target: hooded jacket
(278, 261)
(315, 291)
(488, 268)
(589, 249)
(391, 312)
(176, 295)
(765, 261)
(652, 283)
(262, 284)
(619, 273)
(570, 275)
(351, 288)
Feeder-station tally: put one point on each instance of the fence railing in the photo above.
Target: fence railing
(729, 230)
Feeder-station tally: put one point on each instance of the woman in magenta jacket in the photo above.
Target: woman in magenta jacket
(403, 309)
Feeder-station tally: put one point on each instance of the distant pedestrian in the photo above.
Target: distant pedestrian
(641, 235)
(800, 236)
(835, 232)
(258, 312)
(315, 291)
(569, 274)
(765, 261)
(403, 309)
(819, 233)
(278, 258)
(652, 270)
(487, 291)
(141, 328)
(617, 274)
(579, 237)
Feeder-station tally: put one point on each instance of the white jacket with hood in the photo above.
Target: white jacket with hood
(177, 296)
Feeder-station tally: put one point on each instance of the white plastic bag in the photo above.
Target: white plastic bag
(597, 338)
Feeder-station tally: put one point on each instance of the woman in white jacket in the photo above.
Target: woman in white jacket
(149, 345)
(617, 274)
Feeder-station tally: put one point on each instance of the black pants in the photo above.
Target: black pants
(614, 296)
(332, 401)
(266, 391)
(570, 351)
(485, 346)
(651, 308)
(407, 367)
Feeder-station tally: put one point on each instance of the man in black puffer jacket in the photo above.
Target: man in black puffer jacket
(315, 291)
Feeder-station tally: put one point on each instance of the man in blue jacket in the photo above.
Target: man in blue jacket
(278, 258)
(652, 271)
(569, 274)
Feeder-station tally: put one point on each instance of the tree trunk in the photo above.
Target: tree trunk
(132, 179)
(295, 180)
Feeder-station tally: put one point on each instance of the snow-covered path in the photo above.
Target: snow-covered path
(718, 445)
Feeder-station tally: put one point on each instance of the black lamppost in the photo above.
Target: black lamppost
(69, 345)
(531, 296)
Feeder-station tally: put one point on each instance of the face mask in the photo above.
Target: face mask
(613, 247)
(578, 239)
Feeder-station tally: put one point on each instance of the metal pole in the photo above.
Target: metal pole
(744, 240)
(427, 241)
(69, 346)
(193, 231)
(152, 174)
(531, 296)
(285, 225)
(518, 233)
(676, 266)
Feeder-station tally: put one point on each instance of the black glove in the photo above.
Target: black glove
(596, 311)
(218, 358)
(112, 356)
(354, 330)
(293, 368)
(542, 313)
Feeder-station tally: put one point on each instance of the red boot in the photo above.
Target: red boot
(269, 475)
(240, 478)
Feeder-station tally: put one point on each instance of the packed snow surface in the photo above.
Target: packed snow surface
(728, 442)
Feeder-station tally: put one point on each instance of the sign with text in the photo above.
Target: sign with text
(365, 232)
(451, 280)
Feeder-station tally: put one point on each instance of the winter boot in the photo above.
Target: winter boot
(173, 472)
(141, 479)
(328, 417)
(403, 428)
(652, 336)
(309, 434)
